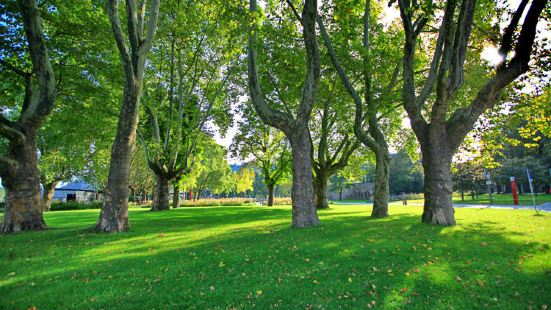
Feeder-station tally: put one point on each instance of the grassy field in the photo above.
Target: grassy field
(244, 257)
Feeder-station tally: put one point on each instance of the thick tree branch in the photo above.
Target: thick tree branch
(462, 35)
(309, 16)
(359, 115)
(151, 28)
(113, 14)
(269, 115)
(418, 122)
(8, 130)
(41, 105)
(507, 39)
(133, 24)
(7, 166)
(462, 121)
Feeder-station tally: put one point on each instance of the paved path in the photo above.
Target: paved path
(542, 207)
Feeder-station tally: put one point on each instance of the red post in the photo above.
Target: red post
(514, 190)
(190, 198)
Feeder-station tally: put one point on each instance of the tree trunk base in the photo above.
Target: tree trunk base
(439, 216)
(112, 226)
(160, 208)
(305, 217)
(161, 195)
(112, 219)
(379, 211)
(23, 209)
(14, 226)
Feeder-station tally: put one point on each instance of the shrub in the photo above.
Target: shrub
(74, 205)
(407, 197)
(281, 201)
(218, 202)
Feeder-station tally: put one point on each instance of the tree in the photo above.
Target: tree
(114, 212)
(211, 170)
(19, 167)
(368, 125)
(192, 64)
(265, 147)
(333, 141)
(468, 176)
(441, 135)
(294, 127)
(405, 175)
(244, 179)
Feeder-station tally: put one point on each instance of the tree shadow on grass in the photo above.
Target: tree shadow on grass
(235, 257)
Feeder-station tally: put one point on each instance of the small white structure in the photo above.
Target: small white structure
(76, 191)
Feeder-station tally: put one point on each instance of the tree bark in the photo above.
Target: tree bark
(382, 170)
(437, 158)
(271, 188)
(176, 197)
(161, 195)
(49, 189)
(321, 179)
(23, 209)
(302, 192)
(114, 212)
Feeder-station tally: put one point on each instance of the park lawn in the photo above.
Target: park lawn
(504, 199)
(244, 257)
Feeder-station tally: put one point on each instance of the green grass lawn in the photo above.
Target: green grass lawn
(244, 257)
(504, 199)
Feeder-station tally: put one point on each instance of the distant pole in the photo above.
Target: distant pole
(514, 190)
(530, 180)
(489, 185)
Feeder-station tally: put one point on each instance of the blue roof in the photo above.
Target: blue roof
(78, 186)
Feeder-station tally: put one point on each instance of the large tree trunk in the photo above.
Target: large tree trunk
(320, 189)
(114, 212)
(270, 194)
(49, 189)
(380, 196)
(23, 209)
(302, 192)
(438, 191)
(161, 195)
(176, 197)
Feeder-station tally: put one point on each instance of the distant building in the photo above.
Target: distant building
(359, 191)
(76, 191)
